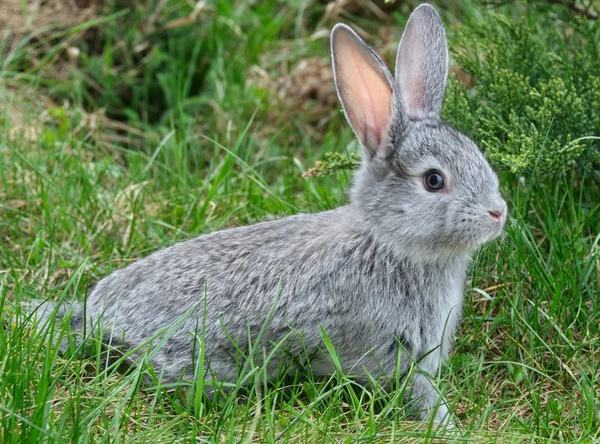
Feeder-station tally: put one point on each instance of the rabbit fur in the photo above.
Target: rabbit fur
(383, 272)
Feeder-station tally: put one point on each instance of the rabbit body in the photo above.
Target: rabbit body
(312, 271)
(385, 271)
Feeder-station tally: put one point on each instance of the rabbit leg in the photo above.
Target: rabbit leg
(427, 399)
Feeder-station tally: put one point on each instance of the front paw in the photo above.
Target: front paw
(442, 418)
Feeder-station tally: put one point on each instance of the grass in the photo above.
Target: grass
(190, 142)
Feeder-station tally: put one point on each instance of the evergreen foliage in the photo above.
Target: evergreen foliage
(536, 102)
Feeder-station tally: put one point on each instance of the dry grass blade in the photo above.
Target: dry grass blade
(19, 17)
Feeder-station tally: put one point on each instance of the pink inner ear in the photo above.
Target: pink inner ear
(367, 96)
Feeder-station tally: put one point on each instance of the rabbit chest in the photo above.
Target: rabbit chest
(374, 302)
(417, 307)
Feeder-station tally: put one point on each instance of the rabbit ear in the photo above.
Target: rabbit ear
(422, 63)
(364, 86)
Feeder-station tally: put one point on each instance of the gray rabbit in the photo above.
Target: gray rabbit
(383, 276)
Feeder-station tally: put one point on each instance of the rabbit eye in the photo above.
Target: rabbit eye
(433, 180)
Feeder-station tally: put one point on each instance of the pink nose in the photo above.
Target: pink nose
(495, 214)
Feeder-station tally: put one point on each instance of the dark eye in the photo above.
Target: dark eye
(433, 180)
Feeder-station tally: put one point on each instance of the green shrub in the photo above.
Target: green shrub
(536, 102)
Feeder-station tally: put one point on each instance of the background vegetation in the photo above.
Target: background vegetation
(128, 126)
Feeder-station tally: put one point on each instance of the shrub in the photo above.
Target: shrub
(536, 102)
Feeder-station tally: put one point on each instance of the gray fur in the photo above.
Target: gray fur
(422, 63)
(388, 268)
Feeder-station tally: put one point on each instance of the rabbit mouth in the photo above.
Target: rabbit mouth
(484, 238)
(496, 232)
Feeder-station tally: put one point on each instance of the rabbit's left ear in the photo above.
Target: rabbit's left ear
(364, 86)
(422, 63)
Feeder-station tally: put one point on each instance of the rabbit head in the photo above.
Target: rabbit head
(423, 187)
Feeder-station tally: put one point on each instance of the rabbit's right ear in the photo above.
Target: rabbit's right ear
(364, 86)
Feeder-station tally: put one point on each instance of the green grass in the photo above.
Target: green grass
(194, 144)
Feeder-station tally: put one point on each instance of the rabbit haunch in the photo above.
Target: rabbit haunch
(385, 271)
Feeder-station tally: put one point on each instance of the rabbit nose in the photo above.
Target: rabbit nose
(498, 209)
(495, 214)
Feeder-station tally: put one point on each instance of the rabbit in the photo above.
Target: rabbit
(382, 276)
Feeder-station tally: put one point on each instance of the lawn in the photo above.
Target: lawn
(124, 130)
